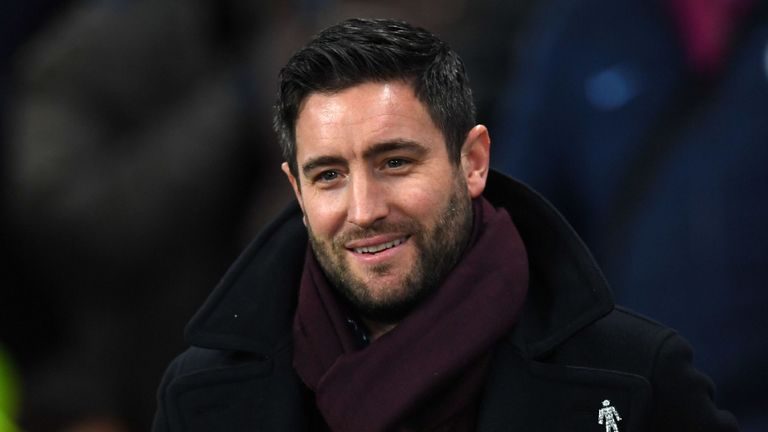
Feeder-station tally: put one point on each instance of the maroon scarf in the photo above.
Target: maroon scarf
(427, 373)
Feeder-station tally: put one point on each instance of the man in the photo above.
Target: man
(412, 289)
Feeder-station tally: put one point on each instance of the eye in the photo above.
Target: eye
(396, 163)
(327, 176)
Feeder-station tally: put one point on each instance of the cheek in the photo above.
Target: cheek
(324, 215)
(424, 200)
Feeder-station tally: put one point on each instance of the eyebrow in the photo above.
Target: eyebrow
(395, 145)
(313, 163)
(371, 153)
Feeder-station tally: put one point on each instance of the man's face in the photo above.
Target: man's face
(388, 214)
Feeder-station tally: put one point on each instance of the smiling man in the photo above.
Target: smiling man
(411, 288)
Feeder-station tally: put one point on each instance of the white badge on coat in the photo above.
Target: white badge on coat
(608, 416)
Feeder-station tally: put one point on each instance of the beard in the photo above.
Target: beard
(439, 248)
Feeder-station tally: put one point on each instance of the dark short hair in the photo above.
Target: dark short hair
(356, 51)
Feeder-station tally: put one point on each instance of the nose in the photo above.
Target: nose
(367, 201)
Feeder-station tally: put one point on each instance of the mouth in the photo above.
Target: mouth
(379, 247)
(375, 246)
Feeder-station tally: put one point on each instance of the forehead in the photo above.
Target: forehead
(363, 102)
(363, 115)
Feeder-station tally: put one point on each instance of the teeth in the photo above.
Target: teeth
(380, 247)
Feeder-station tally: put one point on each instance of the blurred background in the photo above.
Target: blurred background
(137, 160)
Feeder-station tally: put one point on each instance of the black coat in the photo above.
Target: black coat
(571, 350)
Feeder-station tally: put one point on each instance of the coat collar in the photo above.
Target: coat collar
(252, 307)
(567, 290)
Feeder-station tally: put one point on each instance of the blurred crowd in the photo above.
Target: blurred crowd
(138, 159)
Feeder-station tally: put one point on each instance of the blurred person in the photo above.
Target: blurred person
(644, 121)
(131, 167)
(409, 287)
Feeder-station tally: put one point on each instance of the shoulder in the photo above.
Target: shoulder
(621, 340)
(628, 342)
(201, 384)
(644, 368)
(627, 330)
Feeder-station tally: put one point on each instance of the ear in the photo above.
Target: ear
(475, 159)
(296, 189)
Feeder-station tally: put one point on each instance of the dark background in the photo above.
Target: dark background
(137, 160)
